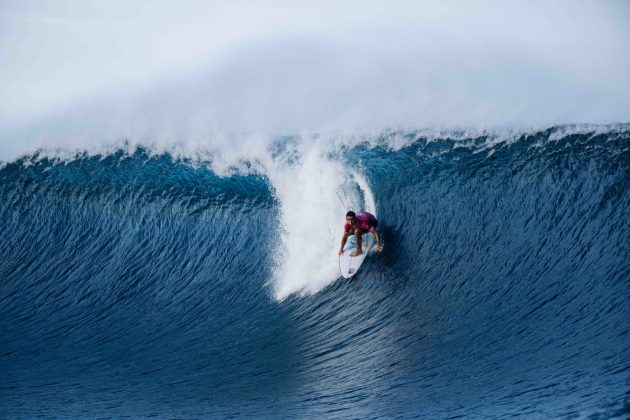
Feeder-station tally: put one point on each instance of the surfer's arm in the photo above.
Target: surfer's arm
(379, 247)
(344, 238)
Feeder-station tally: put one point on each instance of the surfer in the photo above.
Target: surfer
(358, 224)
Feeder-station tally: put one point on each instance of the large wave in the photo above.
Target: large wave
(202, 281)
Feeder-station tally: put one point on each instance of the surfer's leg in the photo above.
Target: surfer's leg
(357, 235)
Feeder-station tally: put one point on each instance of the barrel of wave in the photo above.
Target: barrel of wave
(312, 219)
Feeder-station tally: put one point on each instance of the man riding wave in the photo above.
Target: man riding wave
(358, 224)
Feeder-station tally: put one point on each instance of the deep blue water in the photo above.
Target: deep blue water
(138, 285)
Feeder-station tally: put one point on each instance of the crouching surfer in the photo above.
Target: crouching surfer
(358, 224)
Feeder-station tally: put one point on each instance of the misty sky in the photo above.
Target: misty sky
(141, 67)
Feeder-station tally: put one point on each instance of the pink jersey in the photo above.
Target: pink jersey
(364, 221)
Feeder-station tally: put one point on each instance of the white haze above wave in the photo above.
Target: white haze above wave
(84, 73)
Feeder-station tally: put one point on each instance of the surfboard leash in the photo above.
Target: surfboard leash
(342, 203)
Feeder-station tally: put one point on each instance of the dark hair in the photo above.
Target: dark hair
(351, 214)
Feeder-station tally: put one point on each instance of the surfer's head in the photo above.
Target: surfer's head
(351, 217)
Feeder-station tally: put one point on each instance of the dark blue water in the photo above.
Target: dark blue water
(138, 285)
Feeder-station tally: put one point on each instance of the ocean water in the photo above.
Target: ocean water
(137, 282)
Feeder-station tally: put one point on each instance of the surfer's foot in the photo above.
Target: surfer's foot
(357, 252)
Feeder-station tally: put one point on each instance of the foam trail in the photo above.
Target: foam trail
(311, 218)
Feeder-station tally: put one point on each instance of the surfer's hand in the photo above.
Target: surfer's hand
(379, 248)
(340, 252)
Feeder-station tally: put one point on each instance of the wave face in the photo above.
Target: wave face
(134, 283)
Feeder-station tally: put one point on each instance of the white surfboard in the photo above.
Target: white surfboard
(348, 266)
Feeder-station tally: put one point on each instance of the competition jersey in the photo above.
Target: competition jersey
(364, 221)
